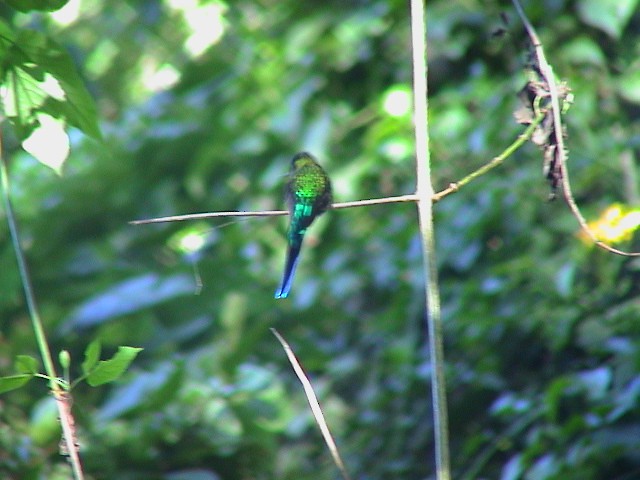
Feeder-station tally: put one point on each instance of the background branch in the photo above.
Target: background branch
(558, 131)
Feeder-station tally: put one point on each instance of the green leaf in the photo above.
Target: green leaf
(13, 382)
(628, 85)
(26, 364)
(22, 98)
(584, 50)
(610, 16)
(109, 370)
(41, 78)
(7, 37)
(41, 5)
(91, 356)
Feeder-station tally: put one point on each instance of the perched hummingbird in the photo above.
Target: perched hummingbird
(308, 194)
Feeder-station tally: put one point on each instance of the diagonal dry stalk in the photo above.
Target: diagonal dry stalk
(314, 405)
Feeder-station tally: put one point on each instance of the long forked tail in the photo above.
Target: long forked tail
(293, 253)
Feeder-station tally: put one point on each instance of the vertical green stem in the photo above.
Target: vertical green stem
(26, 280)
(61, 396)
(425, 213)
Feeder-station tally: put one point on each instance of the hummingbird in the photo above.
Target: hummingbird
(308, 194)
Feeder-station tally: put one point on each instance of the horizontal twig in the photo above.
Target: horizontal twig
(272, 213)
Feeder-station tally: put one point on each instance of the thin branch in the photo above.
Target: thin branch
(200, 216)
(376, 201)
(547, 72)
(314, 404)
(521, 140)
(272, 213)
(424, 191)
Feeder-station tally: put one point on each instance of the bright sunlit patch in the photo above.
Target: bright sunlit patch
(49, 143)
(161, 78)
(396, 149)
(616, 224)
(67, 14)
(52, 87)
(206, 23)
(190, 240)
(397, 101)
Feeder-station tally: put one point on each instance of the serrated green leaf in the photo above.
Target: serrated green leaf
(91, 356)
(26, 364)
(109, 370)
(38, 5)
(41, 78)
(610, 16)
(13, 382)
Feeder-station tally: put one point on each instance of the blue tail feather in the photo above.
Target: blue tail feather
(293, 253)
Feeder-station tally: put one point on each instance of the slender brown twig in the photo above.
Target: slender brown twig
(493, 163)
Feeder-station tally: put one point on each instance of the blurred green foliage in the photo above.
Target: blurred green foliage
(542, 331)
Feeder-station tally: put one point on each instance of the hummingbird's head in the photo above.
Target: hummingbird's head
(301, 159)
